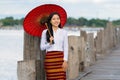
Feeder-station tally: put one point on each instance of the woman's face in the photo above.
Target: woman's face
(55, 20)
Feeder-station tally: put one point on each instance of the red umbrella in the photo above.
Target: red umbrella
(32, 21)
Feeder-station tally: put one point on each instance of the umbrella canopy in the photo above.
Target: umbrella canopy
(33, 21)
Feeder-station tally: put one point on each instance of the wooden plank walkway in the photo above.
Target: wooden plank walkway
(107, 68)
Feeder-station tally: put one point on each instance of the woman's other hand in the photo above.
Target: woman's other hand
(65, 65)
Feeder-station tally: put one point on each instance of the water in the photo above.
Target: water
(11, 49)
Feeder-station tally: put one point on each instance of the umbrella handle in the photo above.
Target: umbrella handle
(49, 33)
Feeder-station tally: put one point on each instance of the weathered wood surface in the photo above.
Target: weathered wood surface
(26, 70)
(31, 47)
(89, 54)
(106, 69)
(73, 60)
(31, 52)
(81, 54)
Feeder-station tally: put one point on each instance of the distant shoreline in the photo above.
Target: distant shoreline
(16, 27)
(71, 28)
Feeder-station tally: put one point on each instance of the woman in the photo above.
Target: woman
(57, 52)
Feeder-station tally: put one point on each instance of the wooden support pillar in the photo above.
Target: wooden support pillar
(26, 70)
(33, 59)
(98, 42)
(90, 55)
(73, 61)
(81, 53)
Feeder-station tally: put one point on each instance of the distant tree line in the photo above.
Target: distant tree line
(10, 21)
(92, 22)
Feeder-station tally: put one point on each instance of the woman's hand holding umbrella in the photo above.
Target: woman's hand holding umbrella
(51, 40)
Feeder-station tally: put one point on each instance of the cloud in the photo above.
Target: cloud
(98, 1)
(74, 8)
(13, 6)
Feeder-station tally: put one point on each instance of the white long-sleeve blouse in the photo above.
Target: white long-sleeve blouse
(60, 39)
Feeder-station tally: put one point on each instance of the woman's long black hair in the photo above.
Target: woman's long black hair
(50, 26)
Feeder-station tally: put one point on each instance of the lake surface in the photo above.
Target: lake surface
(11, 51)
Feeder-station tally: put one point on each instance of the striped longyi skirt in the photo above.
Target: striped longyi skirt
(53, 66)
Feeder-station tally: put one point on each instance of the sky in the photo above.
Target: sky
(103, 9)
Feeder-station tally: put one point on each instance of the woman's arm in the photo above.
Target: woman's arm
(66, 47)
(65, 65)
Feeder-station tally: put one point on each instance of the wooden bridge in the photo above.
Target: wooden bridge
(107, 68)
